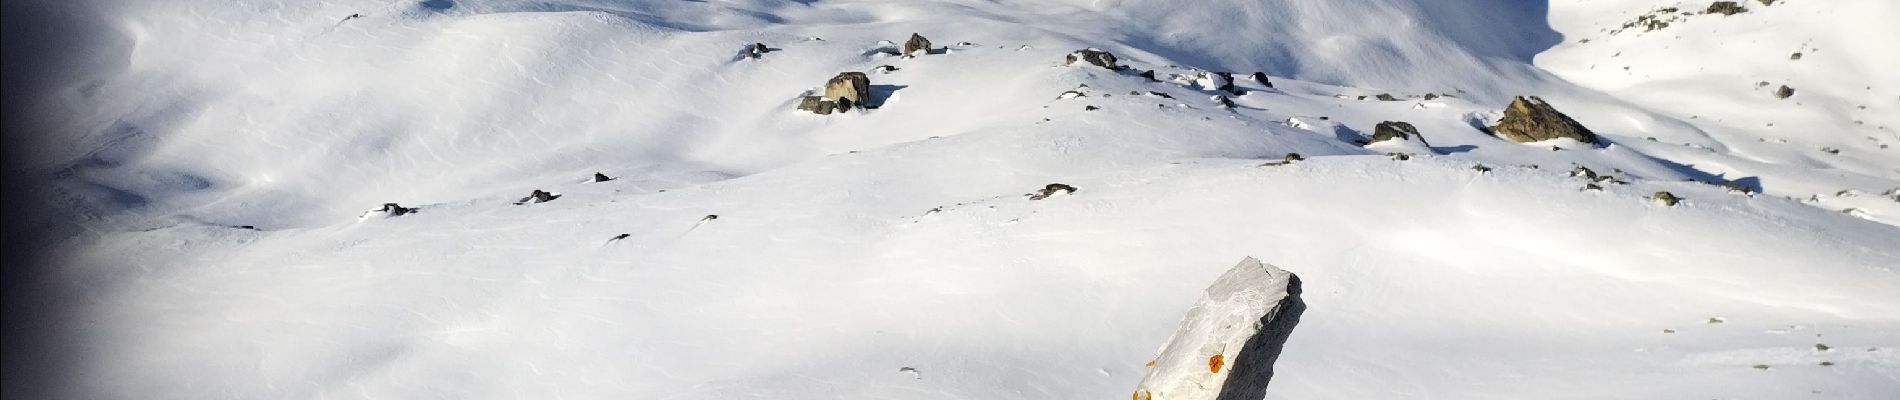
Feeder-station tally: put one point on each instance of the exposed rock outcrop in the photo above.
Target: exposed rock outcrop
(756, 50)
(1261, 78)
(1227, 343)
(1389, 130)
(1784, 92)
(1220, 81)
(538, 196)
(1096, 57)
(600, 177)
(916, 43)
(1726, 8)
(1530, 119)
(391, 210)
(817, 105)
(1223, 101)
(849, 89)
(1051, 190)
(1666, 198)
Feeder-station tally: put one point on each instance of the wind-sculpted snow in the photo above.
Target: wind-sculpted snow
(220, 170)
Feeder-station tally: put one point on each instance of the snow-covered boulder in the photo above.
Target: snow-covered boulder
(1530, 119)
(1227, 343)
(1220, 81)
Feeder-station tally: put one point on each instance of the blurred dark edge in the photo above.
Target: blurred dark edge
(43, 49)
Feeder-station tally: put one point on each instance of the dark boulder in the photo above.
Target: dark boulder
(916, 43)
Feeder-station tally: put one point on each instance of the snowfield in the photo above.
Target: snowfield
(213, 183)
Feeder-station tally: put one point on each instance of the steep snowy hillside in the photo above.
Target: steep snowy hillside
(745, 249)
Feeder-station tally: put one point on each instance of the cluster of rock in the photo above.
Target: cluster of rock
(1096, 57)
(1530, 119)
(842, 93)
(1727, 8)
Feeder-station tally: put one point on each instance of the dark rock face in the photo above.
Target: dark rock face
(756, 50)
(1150, 74)
(396, 210)
(1387, 97)
(1050, 190)
(1389, 130)
(1530, 119)
(1784, 92)
(1261, 78)
(600, 177)
(916, 43)
(1223, 101)
(1725, 8)
(1096, 57)
(849, 89)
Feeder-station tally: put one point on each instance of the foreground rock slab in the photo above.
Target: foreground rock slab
(1227, 343)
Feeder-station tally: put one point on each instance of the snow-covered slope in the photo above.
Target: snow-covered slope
(892, 253)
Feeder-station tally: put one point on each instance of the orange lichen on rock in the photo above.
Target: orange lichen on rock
(1214, 363)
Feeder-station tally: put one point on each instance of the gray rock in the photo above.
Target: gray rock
(1228, 341)
(1726, 8)
(849, 89)
(817, 105)
(1223, 101)
(916, 43)
(1051, 190)
(1784, 92)
(1096, 57)
(1530, 119)
(1389, 130)
(1666, 198)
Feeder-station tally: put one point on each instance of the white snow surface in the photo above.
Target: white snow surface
(851, 246)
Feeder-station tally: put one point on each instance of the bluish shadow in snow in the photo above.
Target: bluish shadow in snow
(882, 93)
(438, 5)
(1454, 149)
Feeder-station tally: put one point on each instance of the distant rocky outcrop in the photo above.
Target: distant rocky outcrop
(1220, 81)
(1784, 92)
(1096, 57)
(391, 210)
(1261, 78)
(756, 50)
(916, 43)
(1228, 341)
(600, 177)
(1726, 8)
(1051, 190)
(1389, 130)
(1530, 119)
(538, 196)
(1223, 101)
(1666, 198)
